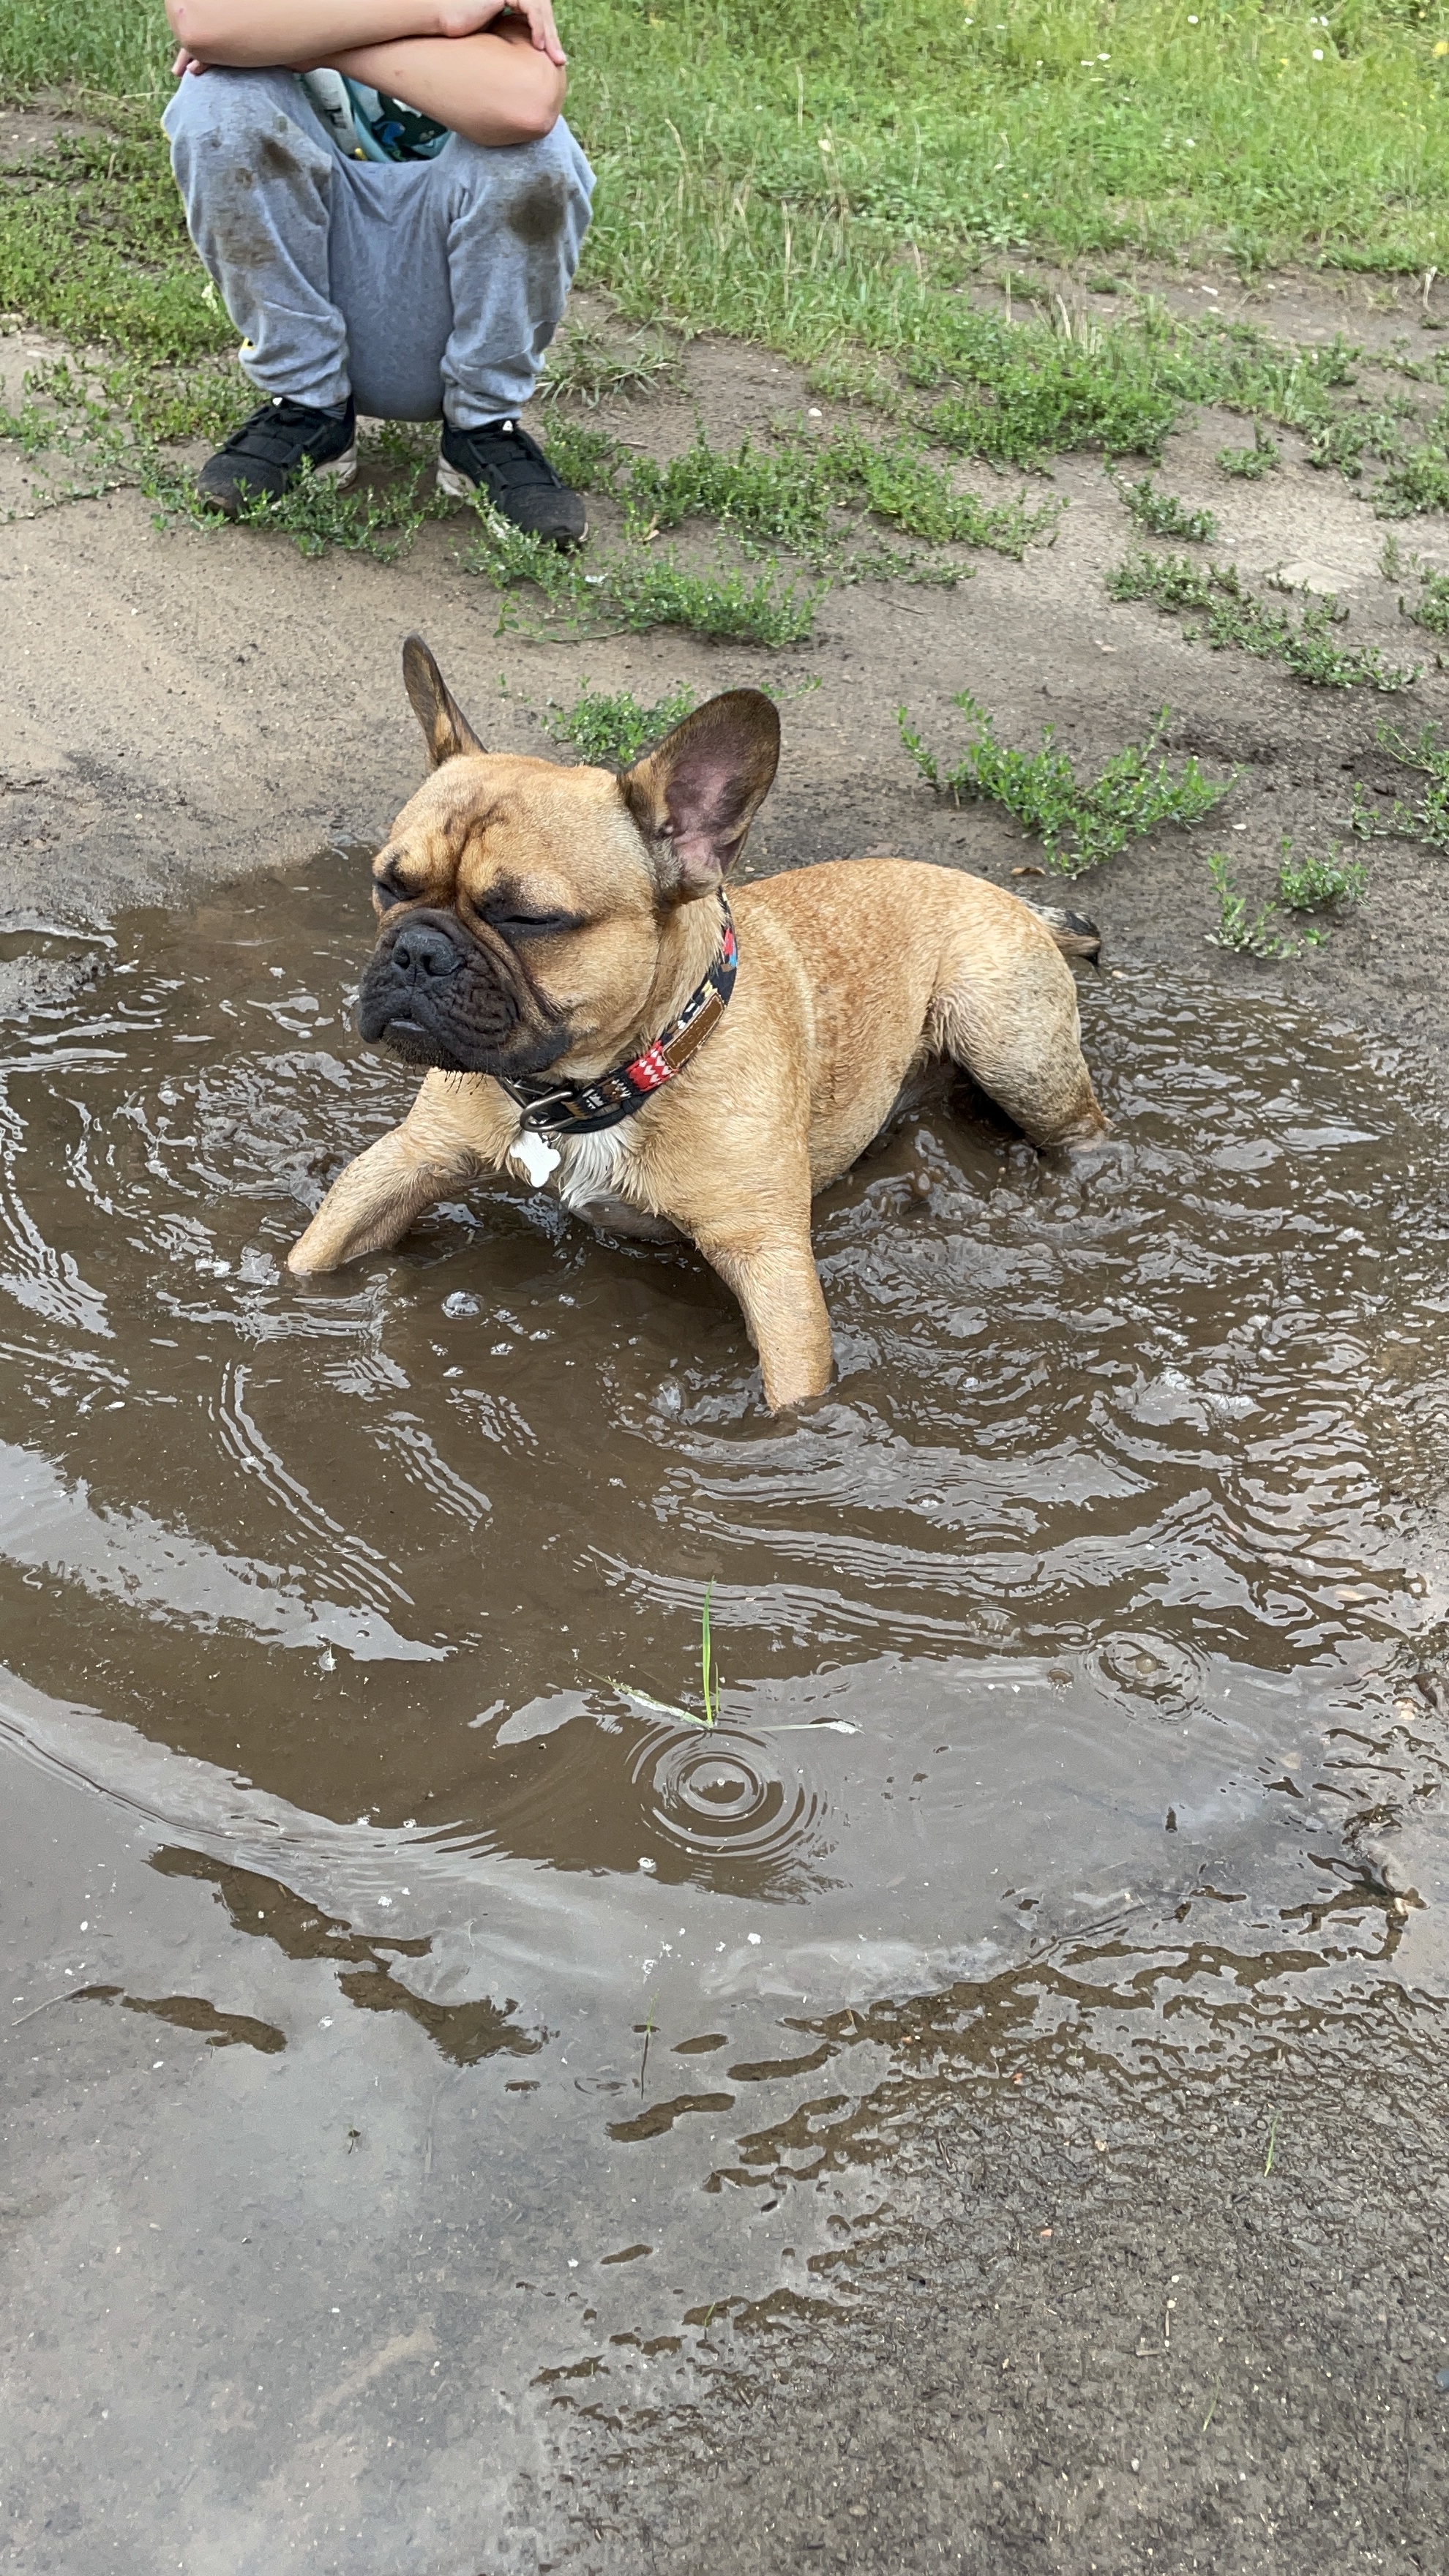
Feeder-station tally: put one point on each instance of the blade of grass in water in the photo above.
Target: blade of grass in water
(704, 1654)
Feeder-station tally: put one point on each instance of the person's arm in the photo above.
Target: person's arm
(492, 89)
(294, 35)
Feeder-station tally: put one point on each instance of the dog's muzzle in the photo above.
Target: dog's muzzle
(434, 995)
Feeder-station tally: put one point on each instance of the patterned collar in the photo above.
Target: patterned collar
(582, 1108)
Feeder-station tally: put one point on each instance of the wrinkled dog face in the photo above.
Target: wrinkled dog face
(523, 905)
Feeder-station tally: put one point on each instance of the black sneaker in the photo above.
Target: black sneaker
(511, 470)
(264, 458)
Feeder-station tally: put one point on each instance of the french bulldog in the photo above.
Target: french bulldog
(598, 1016)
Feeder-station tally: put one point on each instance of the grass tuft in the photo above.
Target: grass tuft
(1162, 514)
(1425, 817)
(1234, 616)
(1251, 934)
(1250, 464)
(636, 589)
(797, 492)
(612, 732)
(1319, 885)
(1322, 886)
(1079, 823)
(584, 367)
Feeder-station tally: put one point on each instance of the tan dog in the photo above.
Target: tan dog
(544, 928)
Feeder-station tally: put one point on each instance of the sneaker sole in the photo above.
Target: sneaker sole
(341, 470)
(457, 486)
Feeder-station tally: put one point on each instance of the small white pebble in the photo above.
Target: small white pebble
(326, 2022)
(650, 1868)
(754, 1940)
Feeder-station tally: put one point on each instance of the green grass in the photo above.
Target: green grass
(1425, 816)
(763, 168)
(1319, 885)
(584, 367)
(93, 247)
(1324, 887)
(1251, 934)
(808, 493)
(1234, 616)
(1079, 823)
(1250, 464)
(1432, 604)
(1419, 483)
(612, 731)
(640, 587)
(1161, 514)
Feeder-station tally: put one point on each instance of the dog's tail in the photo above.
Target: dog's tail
(1074, 934)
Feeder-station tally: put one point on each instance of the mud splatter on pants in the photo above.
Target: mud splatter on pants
(419, 287)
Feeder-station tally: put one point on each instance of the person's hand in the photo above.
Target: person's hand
(464, 19)
(539, 17)
(185, 63)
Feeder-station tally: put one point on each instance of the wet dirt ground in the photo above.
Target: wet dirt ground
(982, 2105)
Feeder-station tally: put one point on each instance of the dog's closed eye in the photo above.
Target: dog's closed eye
(529, 925)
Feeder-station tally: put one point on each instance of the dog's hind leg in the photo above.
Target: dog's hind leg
(1009, 1016)
(452, 1133)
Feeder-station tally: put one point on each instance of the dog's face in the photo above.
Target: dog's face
(524, 906)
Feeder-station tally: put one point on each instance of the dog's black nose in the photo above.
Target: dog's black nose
(421, 950)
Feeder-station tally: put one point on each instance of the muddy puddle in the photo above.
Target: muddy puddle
(1087, 1607)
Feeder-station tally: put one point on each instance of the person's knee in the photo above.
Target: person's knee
(539, 190)
(239, 113)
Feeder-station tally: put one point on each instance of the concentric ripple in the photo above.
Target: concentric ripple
(720, 1797)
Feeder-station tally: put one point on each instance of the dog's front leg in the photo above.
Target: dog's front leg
(778, 1287)
(452, 1132)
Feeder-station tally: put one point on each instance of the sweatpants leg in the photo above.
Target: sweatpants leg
(420, 286)
(517, 221)
(257, 172)
(453, 273)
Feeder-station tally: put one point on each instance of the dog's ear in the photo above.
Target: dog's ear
(443, 721)
(695, 797)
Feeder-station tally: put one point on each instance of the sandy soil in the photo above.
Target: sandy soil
(1013, 2388)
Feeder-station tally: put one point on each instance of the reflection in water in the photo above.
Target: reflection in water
(464, 2032)
(1101, 1552)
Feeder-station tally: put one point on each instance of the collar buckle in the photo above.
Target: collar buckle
(534, 1113)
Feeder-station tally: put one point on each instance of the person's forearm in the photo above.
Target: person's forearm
(259, 34)
(492, 89)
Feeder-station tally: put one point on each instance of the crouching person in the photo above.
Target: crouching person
(392, 209)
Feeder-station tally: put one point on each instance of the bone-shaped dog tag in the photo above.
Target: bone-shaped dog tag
(536, 1158)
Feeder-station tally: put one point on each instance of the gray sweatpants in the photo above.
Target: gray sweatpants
(419, 287)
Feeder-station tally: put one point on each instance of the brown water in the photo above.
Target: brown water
(1095, 1590)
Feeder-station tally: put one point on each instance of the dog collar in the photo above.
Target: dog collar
(582, 1108)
